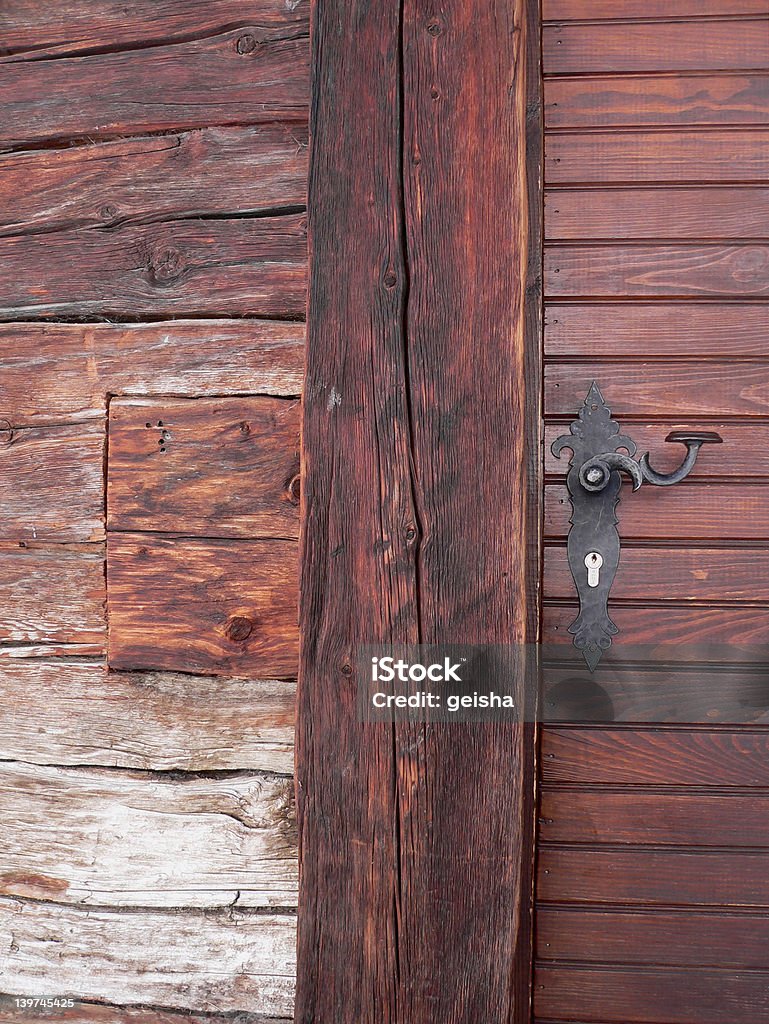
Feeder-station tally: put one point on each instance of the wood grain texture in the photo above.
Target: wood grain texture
(102, 1013)
(193, 605)
(253, 267)
(687, 388)
(697, 624)
(622, 213)
(415, 383)
(614, 101)
(634, 876)
(52, 594)
(696, 511)
(653, 46)
(657, 270)
(212, 172)
(635, 816)
(69, 712)
(206, 467)
(607, 330)
(578, 10)
(85, 24)
(53, 483)
(76, 366)
(666, 757)
(637, 996)
(674, 574)
(677, 157)
(226, 79)
(219, 962)
(105, 838)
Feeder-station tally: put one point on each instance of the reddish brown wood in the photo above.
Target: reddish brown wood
(653, 876)
(215, 606)
(77, 25)
(653, 46)
(697, 511)
(687, 389)
(674, 574)
(646, 996)
(228, 267)
(608, 330)
(231, 78)
(570, 10)
(416, 382)
(215, 171)
(209, 467)
(75, 366)
(624, 213)
(664, 156)
(656, 757)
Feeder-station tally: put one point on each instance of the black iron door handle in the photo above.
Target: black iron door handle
(594, 481)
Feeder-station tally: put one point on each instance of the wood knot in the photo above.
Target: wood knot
(239, 628)
(108, 212)
(166, 265)
(294, 489)
(245, 428)
(246, 43)
(6, 432)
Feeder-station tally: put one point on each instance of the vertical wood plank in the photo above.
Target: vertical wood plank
(418, 518)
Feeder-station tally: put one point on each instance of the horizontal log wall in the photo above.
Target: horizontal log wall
(153, 163)
(652, 902)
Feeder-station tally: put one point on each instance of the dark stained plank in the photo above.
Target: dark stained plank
(83, 24)
(656, 757)
(52, 594)
(215, 606)
(697, 624)
(578, 10)
(633, 816)
(685, 389)
(655, 877)
(687, 938)
(694, 511)
(657, 270)
(657, 100)
(696, 213)
(611, 330)
(406, 412)
(194, 842)
(674, 574)
(212, 467)
(53, 483)
(215, 171)
(634, 996)
(229, 267)
(76, 366)
(231, 78)
(69, 712)
(665, 156)
(654, 46)
(219, 961)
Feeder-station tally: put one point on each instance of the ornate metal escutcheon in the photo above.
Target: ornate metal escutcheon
(600, 454)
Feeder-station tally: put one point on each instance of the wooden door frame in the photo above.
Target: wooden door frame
(421, 504)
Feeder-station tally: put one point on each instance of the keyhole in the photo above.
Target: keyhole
(593, 563)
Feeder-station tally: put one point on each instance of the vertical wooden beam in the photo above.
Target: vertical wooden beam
(420, 504)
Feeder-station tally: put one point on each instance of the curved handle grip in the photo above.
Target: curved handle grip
(693, 441)
(595, 473)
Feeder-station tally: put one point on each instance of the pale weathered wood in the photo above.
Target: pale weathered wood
(202, 605)
(53, 483)
(68, 712)
(250, 267)
(83, 24)
(216, 171)
(52, 594)
(75, 366)
(230, 78)
(213, 467)
(101, 1013)
(115, 838)
(218, 962)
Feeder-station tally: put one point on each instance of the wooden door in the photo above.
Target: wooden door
(652, 895)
